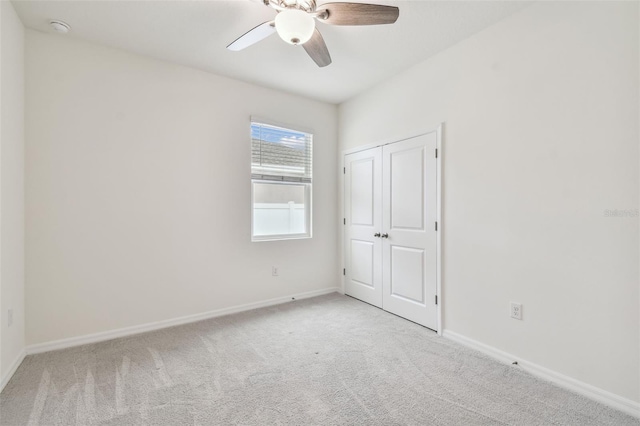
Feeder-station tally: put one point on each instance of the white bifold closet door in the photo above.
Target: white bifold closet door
(390, 229)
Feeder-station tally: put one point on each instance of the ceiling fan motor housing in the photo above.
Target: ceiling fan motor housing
(306, 5)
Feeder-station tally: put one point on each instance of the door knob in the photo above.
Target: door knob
(377, 234)
(385, 235)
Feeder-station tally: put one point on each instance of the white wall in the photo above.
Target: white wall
(11, 188)
(138, 203)
(541, 137)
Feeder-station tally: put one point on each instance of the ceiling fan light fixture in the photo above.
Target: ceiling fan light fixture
(295, 26)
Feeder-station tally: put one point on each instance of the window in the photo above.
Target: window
(281, 174)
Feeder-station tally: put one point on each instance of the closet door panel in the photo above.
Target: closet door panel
(363, 217)
(409, 215)
(407, 189)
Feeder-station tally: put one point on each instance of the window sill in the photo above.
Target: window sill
(265, 238)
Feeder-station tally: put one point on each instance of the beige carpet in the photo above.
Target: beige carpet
(322, 361)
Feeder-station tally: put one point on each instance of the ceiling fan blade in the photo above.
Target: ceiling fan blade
(253, 36)
(357, 14)
(317, 49)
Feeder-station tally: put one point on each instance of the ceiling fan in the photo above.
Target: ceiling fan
(295, 23)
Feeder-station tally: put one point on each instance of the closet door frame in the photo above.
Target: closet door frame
(438, 131)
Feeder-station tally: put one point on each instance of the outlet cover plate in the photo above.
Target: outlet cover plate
(516, 311)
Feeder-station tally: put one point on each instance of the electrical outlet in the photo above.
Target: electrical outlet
(274, 271)
(516, 310)
(10, 318)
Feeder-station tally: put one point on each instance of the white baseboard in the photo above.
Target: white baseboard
(12, 369)
(143, 328)
(612, 400)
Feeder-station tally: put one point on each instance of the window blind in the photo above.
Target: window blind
(280, 154)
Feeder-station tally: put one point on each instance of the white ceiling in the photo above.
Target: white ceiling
(196, 33)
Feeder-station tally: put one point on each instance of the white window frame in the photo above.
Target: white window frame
(308, 188)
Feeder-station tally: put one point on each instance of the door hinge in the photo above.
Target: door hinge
(436, 152)
(344, 221)
(344, 170)
(436, 299)
(436, 226)
(344, 272)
